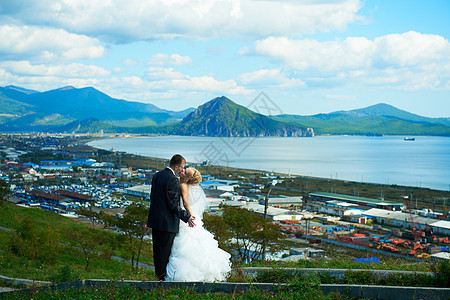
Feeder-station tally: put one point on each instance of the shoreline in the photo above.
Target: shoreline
(144, 135)
(308, 178)
(301, 168)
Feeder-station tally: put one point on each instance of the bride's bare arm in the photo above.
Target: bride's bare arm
(184, 189)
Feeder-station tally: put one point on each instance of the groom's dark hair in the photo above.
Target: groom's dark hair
(177, 160)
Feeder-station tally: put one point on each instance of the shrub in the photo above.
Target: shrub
(63, 274)
(443, 272)
(32, 243)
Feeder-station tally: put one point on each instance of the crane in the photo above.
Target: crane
(415, 233)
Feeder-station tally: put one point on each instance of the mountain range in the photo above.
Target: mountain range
(73, 110)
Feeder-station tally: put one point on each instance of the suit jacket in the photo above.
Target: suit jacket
(165, 210)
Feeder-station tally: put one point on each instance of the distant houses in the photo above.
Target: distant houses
(141, 191)
(349, 201)
(220, 184)
(74, 196)
(284, 202)
(40, 196)
(273, 213)
(402, 219)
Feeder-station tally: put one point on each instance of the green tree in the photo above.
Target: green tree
(107, 219)
(134, 231)
(90, 214)
(30, 242)
(243, 232)
(217, 225)
(76, 169)
(4, 191)
(89, 240)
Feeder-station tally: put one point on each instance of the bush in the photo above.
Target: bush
(63, 274)
(355, 277)
(443, 272)
(32, 243)
(275, 275)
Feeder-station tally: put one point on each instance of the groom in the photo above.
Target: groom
(165, 212)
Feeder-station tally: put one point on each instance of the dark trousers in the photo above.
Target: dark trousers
(162, 246)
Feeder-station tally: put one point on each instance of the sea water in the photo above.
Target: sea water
(424, 162)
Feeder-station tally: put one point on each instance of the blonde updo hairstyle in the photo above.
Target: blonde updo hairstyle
(195, 178)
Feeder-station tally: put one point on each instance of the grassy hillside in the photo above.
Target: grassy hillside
(63, 261)
(10, 106)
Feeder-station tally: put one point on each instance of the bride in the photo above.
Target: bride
(195, 254)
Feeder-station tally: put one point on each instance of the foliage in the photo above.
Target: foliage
(88, 213)
(133, 226)
(63, 274)
(4, 191)
(344, 262)
(34, 243)
(217, 225)
(350, 277)
(303, 290)
(88, 240)
(243, 232)
(101, 264)
(441, 269)
(108, 219)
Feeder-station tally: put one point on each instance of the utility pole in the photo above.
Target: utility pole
(307, 228)
(266, 206)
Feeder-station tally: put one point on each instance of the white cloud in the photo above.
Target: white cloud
(311, 54)
(398, 60)
(201, 83)
(133, 81)
(129, 20)
(272, 77)
(47, 43)
(158, 73)
(161, 59)
(340, 97)
(70, 70)
(130, 62)
(409, 80)
(81, 82)
(408, 49)
(44, 82)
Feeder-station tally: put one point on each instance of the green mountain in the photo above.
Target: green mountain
(21, 89)
(223, 117)
(95, 126)
(12, 109)
(27, 110)
(380, 119)
(69, 109)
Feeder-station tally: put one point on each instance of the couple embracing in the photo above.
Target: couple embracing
(183, 251)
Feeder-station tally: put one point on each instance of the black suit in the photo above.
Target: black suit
(164, 217)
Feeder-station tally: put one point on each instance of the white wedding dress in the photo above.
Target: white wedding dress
(195, 254)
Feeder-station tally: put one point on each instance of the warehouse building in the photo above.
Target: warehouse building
(368, 203)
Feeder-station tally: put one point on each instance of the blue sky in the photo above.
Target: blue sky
(308, 56)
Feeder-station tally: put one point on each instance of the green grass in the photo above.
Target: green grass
(361, 277)
(68, 262)
(339, 263)
(68, 265)
(114, 291)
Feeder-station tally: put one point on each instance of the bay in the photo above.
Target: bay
(424, 162)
